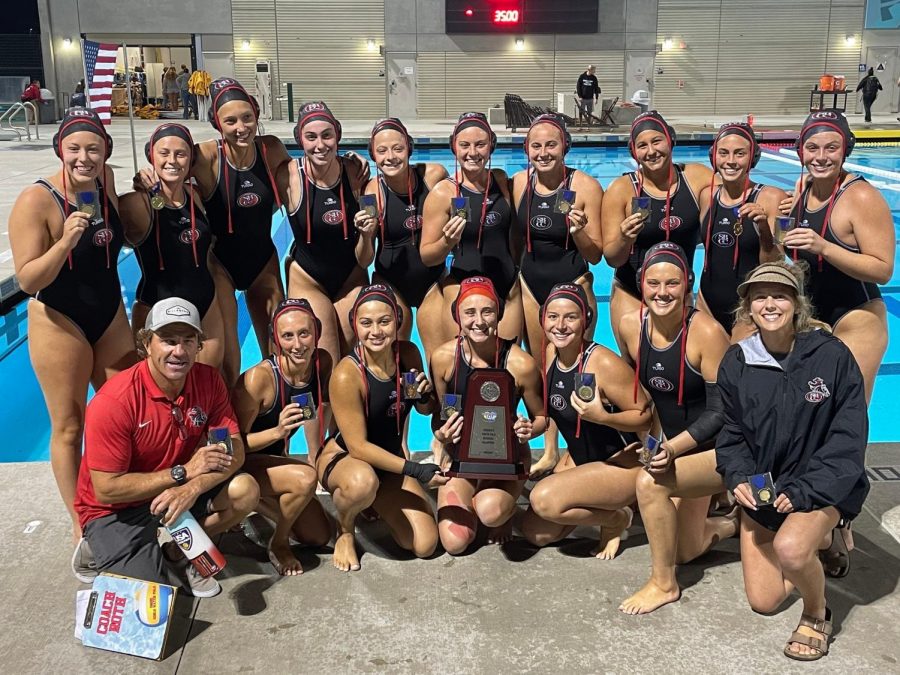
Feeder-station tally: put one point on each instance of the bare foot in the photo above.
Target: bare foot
(649, 598)
(283, 559)
(501, 534)
(611, 535)
(543, 466)
(345, 558)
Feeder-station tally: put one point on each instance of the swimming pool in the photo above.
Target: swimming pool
(26, 425)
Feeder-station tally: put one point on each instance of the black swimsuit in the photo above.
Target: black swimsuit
(284, 391)
(721, 276)
(554, 258)
(684, 228)
(243, 246)
(86, 289)
(330, 256)
(833, 292)
(494, 259)
(459, 376)
(659, 374)
(596, 442)
(173, 258)
(398, 259)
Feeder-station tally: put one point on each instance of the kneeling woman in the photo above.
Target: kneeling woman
(267, 400)
(794, 407)
(595, 481)
(171, 237)
(463, 502)
(676, 351)
(364, 464)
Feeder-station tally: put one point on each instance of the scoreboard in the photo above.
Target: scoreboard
(521, 16)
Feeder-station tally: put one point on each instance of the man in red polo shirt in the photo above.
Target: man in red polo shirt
(146, 459)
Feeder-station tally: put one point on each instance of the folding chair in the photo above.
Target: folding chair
(606, 118)
(583, 114)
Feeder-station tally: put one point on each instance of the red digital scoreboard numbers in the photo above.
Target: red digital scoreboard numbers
(521, 16)
(485, 16)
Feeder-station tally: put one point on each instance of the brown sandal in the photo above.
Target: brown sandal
(822, 626)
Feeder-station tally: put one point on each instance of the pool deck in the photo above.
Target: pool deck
(496, 610)
(22, 162)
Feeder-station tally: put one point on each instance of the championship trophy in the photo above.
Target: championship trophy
(489, 448)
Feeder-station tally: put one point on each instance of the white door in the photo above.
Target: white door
(401, 85)
(886, 62)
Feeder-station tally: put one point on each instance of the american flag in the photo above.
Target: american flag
(100, 66)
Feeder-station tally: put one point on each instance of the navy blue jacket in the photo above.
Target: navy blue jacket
(806, 421)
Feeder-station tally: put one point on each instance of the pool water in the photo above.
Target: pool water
(24, 417)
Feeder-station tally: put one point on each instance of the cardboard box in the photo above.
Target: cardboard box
(126, 615)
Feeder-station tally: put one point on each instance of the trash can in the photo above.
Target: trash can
(47, 111)
(641, 98)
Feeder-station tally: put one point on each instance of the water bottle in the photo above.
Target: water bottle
(196, 545)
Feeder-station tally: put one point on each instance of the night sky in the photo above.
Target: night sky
(21, 17)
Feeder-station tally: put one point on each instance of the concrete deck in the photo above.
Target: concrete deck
(496, 610)
(22, 162)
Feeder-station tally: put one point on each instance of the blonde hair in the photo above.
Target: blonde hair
(804, 313)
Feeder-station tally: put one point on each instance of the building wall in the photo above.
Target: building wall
(760, 57)
(737, 58)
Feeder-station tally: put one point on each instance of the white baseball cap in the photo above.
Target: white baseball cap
(173, 310)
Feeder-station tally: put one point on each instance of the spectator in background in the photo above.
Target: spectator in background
(588, 91)
(870, 86)
(78, 98)
(170, 88)
(182, 81)
(32, 93)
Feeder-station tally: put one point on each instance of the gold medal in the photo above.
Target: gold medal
(765, 495)
(586, 393)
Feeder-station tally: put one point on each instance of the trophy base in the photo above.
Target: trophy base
(487, 470)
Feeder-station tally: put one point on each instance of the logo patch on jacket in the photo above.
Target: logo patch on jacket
(818, 392)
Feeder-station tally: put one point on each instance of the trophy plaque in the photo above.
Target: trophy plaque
(489, 448)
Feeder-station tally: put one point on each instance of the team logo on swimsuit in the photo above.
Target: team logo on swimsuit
(246, 184)
(188, 236)
(541, 222)
(558, 402)
(559, 385)
(248, 199)
(333, 217)
(543, 205)
(658, 367)
(723, 239)
(392, 409)
(196, 416)
(413, 223)
(818, 392)
(673, 221)
(492, 218)
(330, 201)
(661, 384)
(102, 237)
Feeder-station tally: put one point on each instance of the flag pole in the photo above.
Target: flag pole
(87, 85)
(130, 107)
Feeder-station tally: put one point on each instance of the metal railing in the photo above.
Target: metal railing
(13, 110)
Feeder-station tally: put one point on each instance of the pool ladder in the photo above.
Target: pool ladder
(6, 120)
